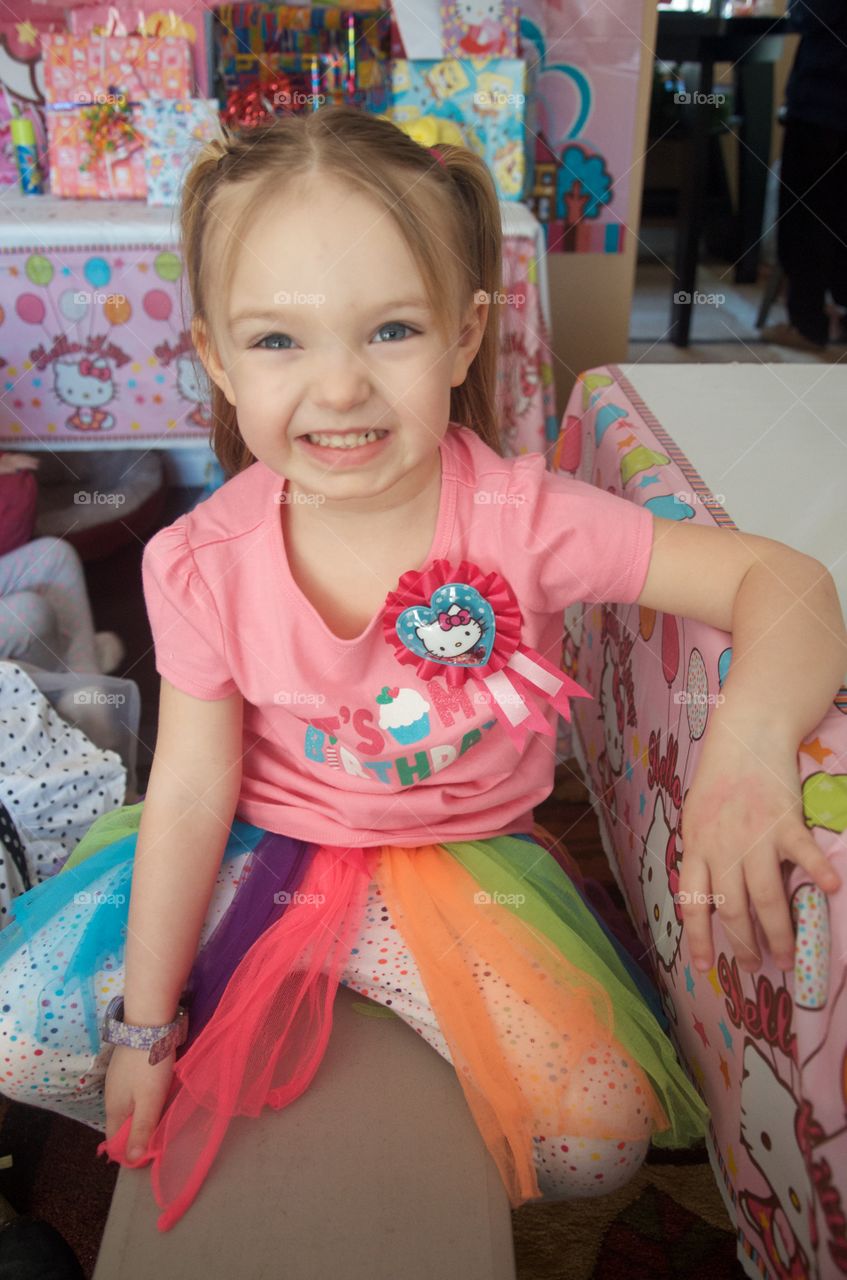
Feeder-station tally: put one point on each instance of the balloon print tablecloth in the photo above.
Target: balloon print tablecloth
(767, 1050)
(95, 347)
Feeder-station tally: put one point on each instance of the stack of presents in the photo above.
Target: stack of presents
(120, 95)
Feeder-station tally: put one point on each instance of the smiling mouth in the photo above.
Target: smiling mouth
(344, 439)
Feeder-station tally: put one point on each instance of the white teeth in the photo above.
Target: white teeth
(348, 441)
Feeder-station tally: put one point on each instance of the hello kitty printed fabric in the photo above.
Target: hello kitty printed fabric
(345, 744)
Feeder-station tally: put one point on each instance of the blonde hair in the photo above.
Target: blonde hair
(423, 190)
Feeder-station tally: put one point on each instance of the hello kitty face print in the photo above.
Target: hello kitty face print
(87, 385)
(479, 28)
(453, 637)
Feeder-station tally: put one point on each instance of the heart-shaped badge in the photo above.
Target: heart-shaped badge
(456, 630)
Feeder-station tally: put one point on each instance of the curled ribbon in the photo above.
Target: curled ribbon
(508, 675)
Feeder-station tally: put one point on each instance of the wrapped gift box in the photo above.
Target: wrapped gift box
(80, 69)
(173, 130)
(106, 179)
(485, 98)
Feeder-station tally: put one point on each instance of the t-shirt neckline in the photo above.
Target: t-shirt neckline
(439, 547)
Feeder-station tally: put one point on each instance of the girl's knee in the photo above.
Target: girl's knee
(574, 1168)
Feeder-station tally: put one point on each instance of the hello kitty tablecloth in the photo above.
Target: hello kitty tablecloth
(766, 1050)
(95, 347)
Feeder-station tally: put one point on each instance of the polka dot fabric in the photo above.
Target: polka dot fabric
(59, 1072)
(54, 782)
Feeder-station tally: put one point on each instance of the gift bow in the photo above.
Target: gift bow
(513, 675)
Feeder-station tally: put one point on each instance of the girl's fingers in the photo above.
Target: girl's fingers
(801, 847)
(695, 899)
(767, 892)
(733, 908)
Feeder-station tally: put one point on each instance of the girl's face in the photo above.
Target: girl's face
(327, 329)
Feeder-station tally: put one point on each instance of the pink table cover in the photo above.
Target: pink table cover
(766, 1050)
(93, 348)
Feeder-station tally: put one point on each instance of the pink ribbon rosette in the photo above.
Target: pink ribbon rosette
(465, 625)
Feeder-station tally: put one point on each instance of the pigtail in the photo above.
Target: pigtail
(199, 186)
(475, 403)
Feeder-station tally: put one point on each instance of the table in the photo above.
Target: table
(753, 45)
(761, 448)
(96, 348)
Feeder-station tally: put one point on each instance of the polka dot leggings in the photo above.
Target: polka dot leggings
(62, 1074)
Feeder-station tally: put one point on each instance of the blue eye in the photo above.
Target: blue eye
(395, 324)
(271, 338)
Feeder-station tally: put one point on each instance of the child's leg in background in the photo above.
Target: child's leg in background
(28, 630)
(51, 569)
(568, 1167)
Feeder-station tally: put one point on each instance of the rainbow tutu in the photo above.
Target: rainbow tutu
(262, 987)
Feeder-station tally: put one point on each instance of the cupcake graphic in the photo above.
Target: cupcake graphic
(403, 713)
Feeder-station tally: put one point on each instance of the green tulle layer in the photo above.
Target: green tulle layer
(515, 868)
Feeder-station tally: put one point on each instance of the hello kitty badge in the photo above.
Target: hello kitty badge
(465, 625)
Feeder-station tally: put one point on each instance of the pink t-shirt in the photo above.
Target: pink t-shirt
(325, 759)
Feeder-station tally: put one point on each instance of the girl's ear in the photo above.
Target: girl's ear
(470, 336)
(209, 358)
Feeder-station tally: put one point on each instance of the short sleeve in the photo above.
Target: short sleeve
(187, 632)
(580, 543)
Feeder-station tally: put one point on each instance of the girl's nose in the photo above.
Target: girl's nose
(340, 382)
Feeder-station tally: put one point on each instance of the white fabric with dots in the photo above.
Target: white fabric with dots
(53, 781)
(63, 1075)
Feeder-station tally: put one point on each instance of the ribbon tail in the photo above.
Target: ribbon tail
(517, 714)
(551, 680)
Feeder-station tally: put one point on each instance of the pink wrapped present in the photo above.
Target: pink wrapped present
(183, 18)
(80, 69)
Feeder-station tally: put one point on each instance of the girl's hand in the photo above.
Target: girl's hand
(11, 462)
(742, 817)
(133, 1086)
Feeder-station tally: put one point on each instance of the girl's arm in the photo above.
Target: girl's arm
(188, 810)
(743, 814)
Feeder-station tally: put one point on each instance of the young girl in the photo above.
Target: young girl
(357, 639)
